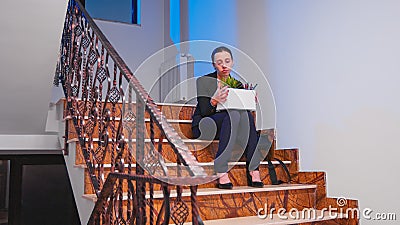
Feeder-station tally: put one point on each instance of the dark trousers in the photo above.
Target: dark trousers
(230, 127)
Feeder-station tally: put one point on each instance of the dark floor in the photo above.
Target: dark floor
(3, 217)
(39, 190)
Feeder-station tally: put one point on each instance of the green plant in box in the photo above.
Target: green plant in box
(231, 82)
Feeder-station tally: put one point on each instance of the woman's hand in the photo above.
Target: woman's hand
(220, 95)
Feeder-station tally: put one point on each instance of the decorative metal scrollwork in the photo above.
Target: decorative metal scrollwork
(101, 75)
(152, 162)
(78, 31)
(75, 90)
(92, 57)
(114, 95)
(85, 42)
(179, 212)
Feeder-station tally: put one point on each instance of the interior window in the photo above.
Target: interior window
(125, 11)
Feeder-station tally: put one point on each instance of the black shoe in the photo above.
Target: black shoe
(251, 183)
(225, 186)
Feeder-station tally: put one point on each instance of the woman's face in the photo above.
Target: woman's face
(223, 63)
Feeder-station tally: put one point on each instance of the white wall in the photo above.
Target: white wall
(334, 68)
(252, 39)
(334, 71)
(29, 43)
(136, 43)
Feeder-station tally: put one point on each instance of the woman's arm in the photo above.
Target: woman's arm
(203, 96)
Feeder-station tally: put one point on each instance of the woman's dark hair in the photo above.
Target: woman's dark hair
(220, 49)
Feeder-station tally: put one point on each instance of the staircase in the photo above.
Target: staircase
(306, 191)
(132, 161)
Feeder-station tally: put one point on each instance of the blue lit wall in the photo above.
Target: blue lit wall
(212, 20)
(208, 20)
(174, 16)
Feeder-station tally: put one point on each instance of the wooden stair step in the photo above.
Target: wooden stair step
(169, 110)
(201, 164)
(176, 111)
(239, 190)
(237, 176)
(241, 201)
(204, 151)
(237, 173)
(182, 127)
(217, 191)
(205, 157)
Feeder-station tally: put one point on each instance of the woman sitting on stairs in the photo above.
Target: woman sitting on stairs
(229, 126)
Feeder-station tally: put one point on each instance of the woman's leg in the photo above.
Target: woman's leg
(248, 139)
(228, 129)
(223, 126)
(206, 130)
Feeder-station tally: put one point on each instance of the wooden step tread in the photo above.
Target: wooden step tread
(217, 191)
(176, 104)
(200, 164)
(157, 103)
(276, 219)
(185, 140)
(242, 189)
(146, 120)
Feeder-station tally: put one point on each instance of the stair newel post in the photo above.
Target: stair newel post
(130, 204)
(140, 142)
(66, 138)
(167, 210)
(178, 174)
(151, 202)
(196, 219)
(178, 187)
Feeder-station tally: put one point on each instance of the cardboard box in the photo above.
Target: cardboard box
(239, 99)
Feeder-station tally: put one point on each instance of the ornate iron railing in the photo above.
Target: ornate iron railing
(92, 75)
